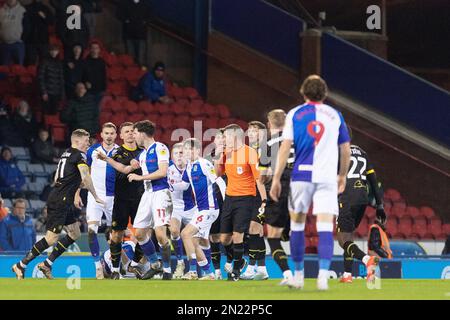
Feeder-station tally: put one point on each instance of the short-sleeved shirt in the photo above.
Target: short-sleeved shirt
(123, 188)
(181, 200)
(317, 130)
(68, 177)
(242, 172)
(149, 160)
(201, 176)
(102, 173)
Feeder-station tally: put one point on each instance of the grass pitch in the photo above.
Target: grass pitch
(219, 290)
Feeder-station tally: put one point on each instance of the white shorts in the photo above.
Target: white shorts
(154, 209)
(95, 211)
(203, 221)
(324, 197)
(184, 217)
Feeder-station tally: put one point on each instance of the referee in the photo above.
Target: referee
(239, 163)
(276, 214)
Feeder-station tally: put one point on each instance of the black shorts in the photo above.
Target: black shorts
(215, 227)
(256, 207)
(123, 211)
(277, 213)
(350, 216)
(237, 213)
(60, 213)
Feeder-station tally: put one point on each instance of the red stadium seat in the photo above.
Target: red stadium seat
(195, 108)
(178, 108)
(182, 121)
(224, 111)
(435, 221)
(392, 194)
(420, 221)
(191, 93)
(115, 106)
(105, 117)
(370, 212)
(18, 70)
(32, 70)
(131, 107)
(446, 228)
(391, 226)
(211, 123)
(58, 133)
(119, 118)
(167, 121)
(135, 117)
(116, 73)
(111, 59)
(51, 120)
(427, 212)
(412, 211)
(398, 210)
(419, 230)
(176, 92)
(126, 60)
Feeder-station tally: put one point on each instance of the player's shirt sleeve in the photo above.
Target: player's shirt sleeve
(369, 166)
(209, 171)
(163, 153)
(288, 131)
(253, 162)
(80, 159)
(343, 131)
(183, 184)
(264, 159)
(89, 155)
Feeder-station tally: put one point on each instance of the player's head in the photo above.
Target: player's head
(126, 131)
(95, 49)
(256, 132)
(143, 130)
(192, 149)
(276, 119)
(109, 133)
(219, 139)
(314, 88)
(20, 208)
(178, 154)
(234, 136)
(80, 140)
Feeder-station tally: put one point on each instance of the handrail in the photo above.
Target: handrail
(209, 54)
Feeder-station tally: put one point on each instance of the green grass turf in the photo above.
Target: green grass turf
(220, 290)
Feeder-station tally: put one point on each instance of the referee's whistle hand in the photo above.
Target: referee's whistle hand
(275, 190)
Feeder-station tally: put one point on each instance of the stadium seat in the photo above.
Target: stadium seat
(58, 133)
(427, 212)
(23, 166)
(446, 228)
(126, 60)
(182, 121)
(50, 168)
(224, 111)
(391, 227)
(419, 230)
(37, 169)
(420, 221)
(196, 108)
(19, 151)
(411, 211)
(51, 120)
(131, 107)
(191, 93)
(392, 194)
(179, 108)
(398, 210)
(116, 73)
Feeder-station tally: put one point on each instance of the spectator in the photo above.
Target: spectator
(73, 69)
(94, 74)
(12, 49)
(81, 112)
(11, 178)
(41, 221)
(37, 19)
(48, 188)
(152, 85)
(51, 81)
(134, 15)
(43, 149)
(24, 123)
(91, 8)
(8, 133)
(4, 211)
(16, 230)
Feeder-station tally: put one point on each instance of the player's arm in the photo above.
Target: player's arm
(344, 163)
(158, 174)
(134, 164)
(372, 179)
(87, 182)
(77, 199)
(282, 158)
(183, 184)
(375, 243)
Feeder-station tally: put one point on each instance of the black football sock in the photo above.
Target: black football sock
(229, 251)
(278, 253)
(353, 251)
(348, 263)
(116, 252)
(37, 249)
(138, 253)
(261, 256)
(253, 250)
(59, 249)
(215, 255)
(238, 260)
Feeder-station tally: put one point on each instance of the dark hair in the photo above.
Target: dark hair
(126, 124)
(109, 125)
(5, 149)
(257, 124)
(159, 65)
(145, 126)
(314, 88)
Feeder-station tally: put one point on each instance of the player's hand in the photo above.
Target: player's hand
(78, 202)
(101, 156)
(381, 214)
(100, 201)
(134, 177)
(275, 190)
(342, 181)
(135, 164)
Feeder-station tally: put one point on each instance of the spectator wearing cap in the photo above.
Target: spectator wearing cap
(73, 69)
(152, 85)
(51, 80)
(41, 221)
(38, 18)
(4, 211)
(134, 15)
(11, 178)
(12, 48)
(43, 150)
(17, 231)
(24, 123)
(94, 73)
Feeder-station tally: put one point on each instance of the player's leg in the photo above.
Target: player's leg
(257, 252)
(94, 213)
(216, 254)
(119, 222)
(204, 227)
(326, 210)
(190, 245)
(175, 236)
(299, 202)
(226, 233)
